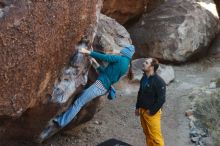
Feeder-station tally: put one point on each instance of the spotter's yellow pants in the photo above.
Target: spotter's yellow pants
(151, 127)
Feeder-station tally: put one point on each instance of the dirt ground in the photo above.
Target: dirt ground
(117, 120)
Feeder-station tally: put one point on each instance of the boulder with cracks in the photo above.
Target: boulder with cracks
(176, 31)
(110, 35)
(37, 40)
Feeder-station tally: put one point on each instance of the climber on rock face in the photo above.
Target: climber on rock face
(117, 67)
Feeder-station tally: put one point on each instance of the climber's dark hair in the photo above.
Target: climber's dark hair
(155, 64)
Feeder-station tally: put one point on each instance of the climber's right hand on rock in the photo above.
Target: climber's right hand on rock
(94, 63)
(84, 51)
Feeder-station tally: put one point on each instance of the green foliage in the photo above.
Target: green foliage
(207, 111)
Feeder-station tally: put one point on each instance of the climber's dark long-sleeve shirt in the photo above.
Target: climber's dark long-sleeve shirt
(151, 94)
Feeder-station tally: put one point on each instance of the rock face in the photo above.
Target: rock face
(125, 11)
(110, 35)
(176, 31)
(164, 71)
(215, 47)
(153, 4)
(37, 39)
(122, 10)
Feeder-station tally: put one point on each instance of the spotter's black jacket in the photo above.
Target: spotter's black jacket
(152, 92)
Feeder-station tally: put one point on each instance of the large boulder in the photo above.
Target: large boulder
(176, 31)
(37, 40)
(110, 35)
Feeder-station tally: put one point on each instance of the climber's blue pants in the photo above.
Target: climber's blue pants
(89, 94)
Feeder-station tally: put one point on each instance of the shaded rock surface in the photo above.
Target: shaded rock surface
(122, 10)
(215, 47)
(37, 39)
(110, 35)
(217, 2)
(126, 11)
(153, 4)
(176, 31)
